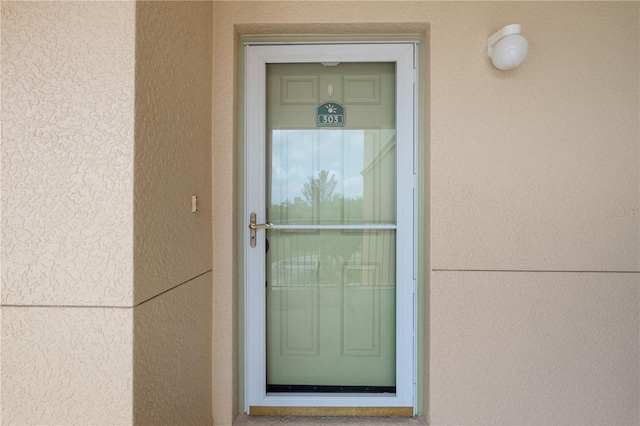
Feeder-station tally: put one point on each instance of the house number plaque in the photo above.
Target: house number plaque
(330, 114)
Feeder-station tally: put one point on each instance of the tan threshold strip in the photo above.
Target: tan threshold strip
(332, 411)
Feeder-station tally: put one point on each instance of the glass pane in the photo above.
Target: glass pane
(329, 177)
(331, 293)
(331, 310)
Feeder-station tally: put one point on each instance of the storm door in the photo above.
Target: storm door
(329, 210)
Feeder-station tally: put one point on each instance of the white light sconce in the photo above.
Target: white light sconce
(507, 48)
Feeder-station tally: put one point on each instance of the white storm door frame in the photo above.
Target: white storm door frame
(257, 56)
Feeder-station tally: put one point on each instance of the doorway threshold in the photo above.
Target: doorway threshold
(244, 420)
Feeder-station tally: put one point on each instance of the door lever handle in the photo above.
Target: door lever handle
(259, 225)
(253, 226)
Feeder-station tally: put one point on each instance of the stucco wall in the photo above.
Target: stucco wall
(172, 357)
(173, 144)
(67, 153)
(67, 223)
(172, 250)
(526, 165)
(527, 173)
(106, 299)
(534, 348)
(66, 366)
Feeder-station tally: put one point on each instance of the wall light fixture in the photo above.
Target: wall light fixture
(507, 48)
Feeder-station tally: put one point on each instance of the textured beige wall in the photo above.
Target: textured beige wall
(173, 144)
(67, 153)
(526, 165)
(67, 236)
(534, 348)
(85, 219)
(66, 366)
(172, 334)
(528, 171)
(172, 356)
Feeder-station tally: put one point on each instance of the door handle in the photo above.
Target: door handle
(253, 226)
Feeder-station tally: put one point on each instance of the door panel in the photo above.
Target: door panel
(331, 293)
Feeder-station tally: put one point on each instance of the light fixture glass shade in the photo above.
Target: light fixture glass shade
(509, 52)
(507, 48)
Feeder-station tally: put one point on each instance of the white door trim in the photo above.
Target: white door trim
(256, 58)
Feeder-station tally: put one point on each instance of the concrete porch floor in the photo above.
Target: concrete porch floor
(244, 420)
